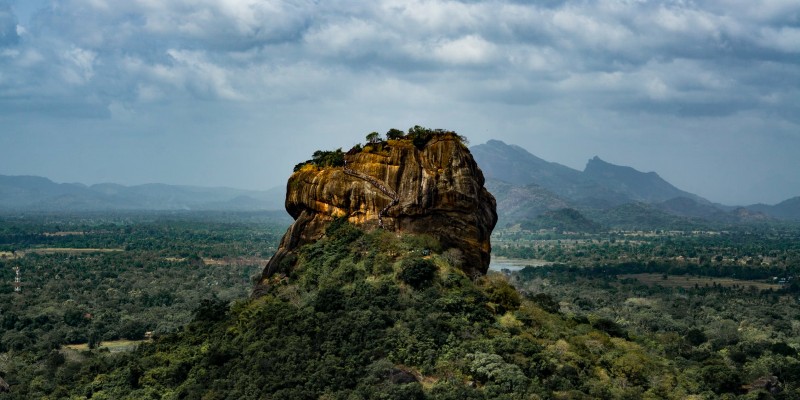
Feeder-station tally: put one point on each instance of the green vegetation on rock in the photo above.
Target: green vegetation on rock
(324, 159)
(417, 135)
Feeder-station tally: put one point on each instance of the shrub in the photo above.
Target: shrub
(610, 327)
(546, 302)
(503, 295)
(394, 134)
(492, 370)
(323, 159)
(211, 310)
(329, 299)
(417, 272)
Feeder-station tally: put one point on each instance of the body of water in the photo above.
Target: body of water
(515, 264)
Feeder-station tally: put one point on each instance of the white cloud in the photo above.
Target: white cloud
(435, 17)
(540, 59)
(577, 28)
(203, 76)
(471, 49)
(657, 89)
(784, 39)
(347, 38)
(78, 67)
(756, 11)
(688, 21)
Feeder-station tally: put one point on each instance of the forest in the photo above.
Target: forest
(90, 278)
(373, 315)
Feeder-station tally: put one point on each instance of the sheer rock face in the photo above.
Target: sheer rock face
(437, 190)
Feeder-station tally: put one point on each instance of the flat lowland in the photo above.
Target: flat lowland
(113, 346)
(235, 261)
(227, 261)
(64, 233)
(689, 281)
(52, 250)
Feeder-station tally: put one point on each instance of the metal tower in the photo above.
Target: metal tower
(17, 281)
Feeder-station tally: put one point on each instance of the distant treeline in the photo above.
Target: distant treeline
(654, 267)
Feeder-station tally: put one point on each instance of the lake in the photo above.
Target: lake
(515, 264)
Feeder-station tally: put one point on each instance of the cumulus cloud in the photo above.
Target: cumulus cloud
(78, 65)
(668, 59)
(205, 47)
(783, 39)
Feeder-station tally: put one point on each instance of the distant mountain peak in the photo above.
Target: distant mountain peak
(787, 209)
(640, 186)
(600, 184)
(596, 163)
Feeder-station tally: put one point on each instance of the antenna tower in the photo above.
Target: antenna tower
(17, 280)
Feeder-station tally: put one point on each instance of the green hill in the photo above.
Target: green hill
(379, 316)
(563, 220)
(519, 202)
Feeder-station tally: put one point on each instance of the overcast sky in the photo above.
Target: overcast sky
(236, 92)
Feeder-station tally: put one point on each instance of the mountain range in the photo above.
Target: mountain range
(527, 187)
(34, 193)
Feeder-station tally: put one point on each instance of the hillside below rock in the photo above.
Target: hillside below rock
(404, 185)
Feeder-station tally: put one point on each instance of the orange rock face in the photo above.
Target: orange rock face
(436, 190)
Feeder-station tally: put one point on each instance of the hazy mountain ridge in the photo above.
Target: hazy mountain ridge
(34, 193)
(600, 184)
(689, 207)
(523, 201)
(646, 187)
(787, 209)
(527, 186)
(515, 165)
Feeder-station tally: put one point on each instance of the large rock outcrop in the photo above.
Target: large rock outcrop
(434, 188)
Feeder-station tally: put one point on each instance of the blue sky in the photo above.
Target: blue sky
(236, 92)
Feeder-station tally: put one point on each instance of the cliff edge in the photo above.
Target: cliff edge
(425, 182)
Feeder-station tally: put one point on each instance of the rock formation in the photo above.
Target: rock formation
(431, 186)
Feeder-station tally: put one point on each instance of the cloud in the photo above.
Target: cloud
(784, 39)
(8, 26)
(222, 25)
(560, 64)
(205, 46)
(470, 49)
(77, 65)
